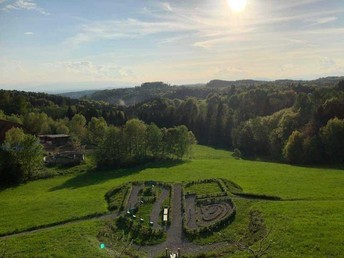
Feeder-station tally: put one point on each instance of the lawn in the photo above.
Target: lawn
(307, 223)
(203, 188)
(144, 212)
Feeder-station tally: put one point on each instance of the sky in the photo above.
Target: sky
(66, 45)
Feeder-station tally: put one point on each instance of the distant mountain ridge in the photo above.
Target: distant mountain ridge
(77, 94)
(151, 90)
(326, 81)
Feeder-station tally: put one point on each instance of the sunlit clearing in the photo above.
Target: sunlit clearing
(237, 6)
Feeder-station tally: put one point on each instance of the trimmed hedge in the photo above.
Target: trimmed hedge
(141, 233)
(259, 196)
(206, 200)
(115, 202)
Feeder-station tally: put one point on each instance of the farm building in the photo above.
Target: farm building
(66, 158)
(54, 139)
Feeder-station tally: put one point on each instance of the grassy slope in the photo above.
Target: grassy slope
(78, 239)
(204, 188)
(301, 227)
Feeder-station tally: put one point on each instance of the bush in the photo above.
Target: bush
(237, 154)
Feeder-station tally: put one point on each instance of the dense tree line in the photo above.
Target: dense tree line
(21, 154)
(272, 120)
(262, 120)
(19, 103)
(136, 142)
(152, 90)
(214, 118)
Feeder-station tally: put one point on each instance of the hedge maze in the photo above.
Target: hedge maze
(204, 211)
(206, 206)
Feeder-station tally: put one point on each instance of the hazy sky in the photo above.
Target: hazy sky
(62, 44)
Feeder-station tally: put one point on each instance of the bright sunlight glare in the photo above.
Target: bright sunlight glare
(237, 6)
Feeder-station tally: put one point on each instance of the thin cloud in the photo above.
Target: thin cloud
(24, 5)
(130, 28)
(29, 33)
(205, 29)
(88, 68)
(325, 20)
(167, 7)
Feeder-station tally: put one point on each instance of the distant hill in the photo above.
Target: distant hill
(151, 90)
(148, 91)
(222, 83)
(78, 94)
(326, 81)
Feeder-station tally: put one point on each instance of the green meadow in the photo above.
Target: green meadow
(308, 222)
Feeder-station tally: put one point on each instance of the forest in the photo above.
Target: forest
(298, 123)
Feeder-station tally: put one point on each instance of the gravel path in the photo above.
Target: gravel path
(155, 214)
(134, 196)
(175, 232)
(190, 209)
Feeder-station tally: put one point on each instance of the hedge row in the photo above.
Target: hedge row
(211, 228)
(213, 200)
(207, 196)
(209, 180)
(231, 186)
(110, 197)
(205, 201)
(138, 230)
(259, 196)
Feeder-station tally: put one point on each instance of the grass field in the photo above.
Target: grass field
(204, 188)
(308, 223)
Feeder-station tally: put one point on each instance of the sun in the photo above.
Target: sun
(237, 6)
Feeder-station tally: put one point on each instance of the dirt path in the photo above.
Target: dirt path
(134, 196)
(155, 214)
(175, 238)
(190, 210)
(60, 224)
(175, 232)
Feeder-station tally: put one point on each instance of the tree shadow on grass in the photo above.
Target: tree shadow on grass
(97, 176)
(320, 166)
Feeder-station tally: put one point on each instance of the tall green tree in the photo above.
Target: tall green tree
(135, 137)
(154, 140)
(112, 151)
(25, 154)
(37, 123)
(332, 136)
(293, 150)
(96, 129)
(77, 127)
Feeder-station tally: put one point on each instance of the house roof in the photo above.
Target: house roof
(54, 136)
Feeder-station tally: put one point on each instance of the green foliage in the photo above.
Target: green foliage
(312, 209)
(154, 140)
(77, 127)
(38, 123)
(134, 137)
(293, 151)
(96, 129)
(237, 153)
(116, 197)
(24, 153)
(112, 151)
(206, 188)
(141, 232)
(333, 138)
(136, 142)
